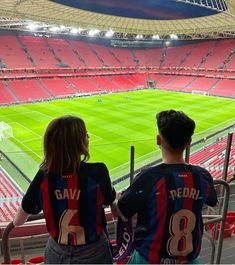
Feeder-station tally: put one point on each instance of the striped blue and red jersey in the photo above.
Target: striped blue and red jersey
(168, 199)
(73, 205)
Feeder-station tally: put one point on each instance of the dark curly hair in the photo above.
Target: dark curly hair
(175, 127)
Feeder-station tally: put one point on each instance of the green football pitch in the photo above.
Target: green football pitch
(114, 122)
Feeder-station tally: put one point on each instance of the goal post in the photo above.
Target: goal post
(6, 130)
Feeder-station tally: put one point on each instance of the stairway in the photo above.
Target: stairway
(72, 85)
(115, 57)
(163, 56)
(60, 63)
(76, 53)
(24, 48)
(97, 55)
(11, 91)
(187, 55)
(137, 61)
(214, 85)
(227, 60)
(45, 89)
(209, 53)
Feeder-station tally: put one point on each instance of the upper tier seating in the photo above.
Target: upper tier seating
(125, 56)
(86, 53)
(175, 56)
(39, 51)
(65, 53)
(149, 57)
(197, 54)
(107, 57)
(12, 54)
(219, 54)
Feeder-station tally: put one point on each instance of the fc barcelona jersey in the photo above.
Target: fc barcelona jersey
(73, 205)
(169, 201)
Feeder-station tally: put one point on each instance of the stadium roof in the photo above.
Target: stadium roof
(184, 18)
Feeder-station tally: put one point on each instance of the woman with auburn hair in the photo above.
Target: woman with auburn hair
(72, 194)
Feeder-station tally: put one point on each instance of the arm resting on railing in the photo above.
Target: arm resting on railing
(20, 217)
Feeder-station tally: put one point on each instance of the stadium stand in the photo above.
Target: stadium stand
(212, 158)
(39, 52)
(10, 197)
(87, 55)
(27, 90)
(5, 95)
(65, 54)
(224, 88)
(10, 46)
(201, 83)
(58, 87)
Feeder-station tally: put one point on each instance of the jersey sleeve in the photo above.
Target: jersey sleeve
(134, 198)
(31, 200)
(107, 188)
(211, 195)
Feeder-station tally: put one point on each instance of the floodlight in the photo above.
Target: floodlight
(62, 27)
(173, 37)
(93, 32)
(76, 30)
(54, 29)
(139, 36)
(167, 43)
(109, 33)
(156, 37)
(32, 26)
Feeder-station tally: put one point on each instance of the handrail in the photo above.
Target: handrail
(5, 236)
(223, 217)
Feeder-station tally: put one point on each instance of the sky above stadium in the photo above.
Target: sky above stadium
(142, 9)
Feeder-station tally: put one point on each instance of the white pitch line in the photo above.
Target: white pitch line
(29, 140)
(15, 114)
(28, 148)
(27, 129)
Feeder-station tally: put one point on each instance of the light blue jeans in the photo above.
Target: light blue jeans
(94, 253)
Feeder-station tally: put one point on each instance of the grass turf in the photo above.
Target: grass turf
(114, 122)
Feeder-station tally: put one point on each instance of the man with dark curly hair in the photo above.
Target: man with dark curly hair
(168, 198)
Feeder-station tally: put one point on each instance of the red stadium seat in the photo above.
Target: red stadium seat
(36, 260)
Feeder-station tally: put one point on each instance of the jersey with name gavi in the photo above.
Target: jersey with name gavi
(169, 201)
(73, 205)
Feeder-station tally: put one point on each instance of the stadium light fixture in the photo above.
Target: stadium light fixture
(109, 33)
(93, 32)
(156, 37)
(173, 37)
(54, 29)
(32, 26)
(139, 36)
(75, 30)
(62, 27)
(167, 43)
